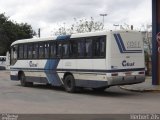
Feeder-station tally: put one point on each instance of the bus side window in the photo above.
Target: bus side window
(96, 47)
(35, 50)
(14, 51)
(102, 46)
(53, 49)
(30, 51)
(20, 52)
(41, 50)
(88, 47)
(25, 51)
(59, 50)
(65, 50)
(46, 50)
(99, 47)
(73, 49)
(81, 48)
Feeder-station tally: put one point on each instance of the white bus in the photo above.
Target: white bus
(2, 62)
(94, 60)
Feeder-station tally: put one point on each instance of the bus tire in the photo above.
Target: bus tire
(69, 84)
(23, 81)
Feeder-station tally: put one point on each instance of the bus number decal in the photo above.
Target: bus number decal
(133, 44)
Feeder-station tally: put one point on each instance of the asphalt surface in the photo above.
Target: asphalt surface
(42, 99)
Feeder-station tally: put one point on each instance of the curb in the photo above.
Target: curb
(140, 90)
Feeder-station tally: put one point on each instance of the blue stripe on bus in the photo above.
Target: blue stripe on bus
(121, 45)
(52, 76)
(118, 43)
(63, 37)
(121, 41)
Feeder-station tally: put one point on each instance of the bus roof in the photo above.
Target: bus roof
(87, 34)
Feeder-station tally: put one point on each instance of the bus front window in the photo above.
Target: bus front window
(14, 50)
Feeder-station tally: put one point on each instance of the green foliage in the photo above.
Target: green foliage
(11, 31)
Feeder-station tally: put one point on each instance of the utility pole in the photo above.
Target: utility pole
(39, 32)
(155, 43)
(103, 15)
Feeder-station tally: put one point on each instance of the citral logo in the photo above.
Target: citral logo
(125, 63)
(31, 64)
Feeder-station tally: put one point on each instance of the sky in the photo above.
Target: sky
(49, 15)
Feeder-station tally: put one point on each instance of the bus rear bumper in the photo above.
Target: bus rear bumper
(91, 83)
(125, 80)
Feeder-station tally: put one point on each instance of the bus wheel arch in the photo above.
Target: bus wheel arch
(69, 82)
(67, 73)
(20, 73)
(22, 78)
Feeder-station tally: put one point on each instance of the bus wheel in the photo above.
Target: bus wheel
(23, 81)
(69, 84)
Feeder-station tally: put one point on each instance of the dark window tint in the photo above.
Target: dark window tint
(20, 52)
(102, 46)
(73, 48)
(14, 51)
(53, 49)
(25, 51)
(41, 50)
(35, 50)
(30, 49)
(88, 47)
(96, 49)
(99, 47)
(65, 50)
(81, 48)
(59, 50)
(46, 50)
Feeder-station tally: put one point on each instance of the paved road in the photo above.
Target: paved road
(43, 99)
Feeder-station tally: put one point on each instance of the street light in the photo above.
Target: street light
(103, 15)
(39, 32)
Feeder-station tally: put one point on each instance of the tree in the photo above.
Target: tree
(147, 34)
(11, 31)
(81, 26)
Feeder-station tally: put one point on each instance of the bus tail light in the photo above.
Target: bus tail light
(141, 72)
